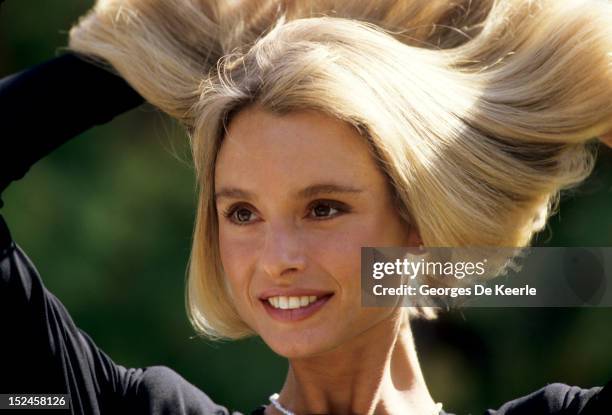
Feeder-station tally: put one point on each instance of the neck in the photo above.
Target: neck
(377, 372)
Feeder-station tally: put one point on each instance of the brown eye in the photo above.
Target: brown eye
(242, 215)
(325, 210)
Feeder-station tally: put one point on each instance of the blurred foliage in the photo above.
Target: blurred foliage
(108, 218)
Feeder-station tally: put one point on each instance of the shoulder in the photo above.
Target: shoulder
(559, 398)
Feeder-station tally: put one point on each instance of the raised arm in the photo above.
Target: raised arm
(41, 349)
(48, 104)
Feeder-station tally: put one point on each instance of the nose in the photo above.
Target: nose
(283, 251)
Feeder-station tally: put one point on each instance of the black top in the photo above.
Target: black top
(41, 349)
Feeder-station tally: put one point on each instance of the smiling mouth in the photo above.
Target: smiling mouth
(294, 308)
(291, 303)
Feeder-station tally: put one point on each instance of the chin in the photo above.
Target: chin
(297, 346)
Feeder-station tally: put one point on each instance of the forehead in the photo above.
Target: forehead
(302, 145)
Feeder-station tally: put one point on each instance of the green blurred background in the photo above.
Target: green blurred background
(108, 218)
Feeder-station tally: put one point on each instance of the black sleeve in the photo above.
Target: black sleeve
(558, 398)
(41, 349)
(45, 106)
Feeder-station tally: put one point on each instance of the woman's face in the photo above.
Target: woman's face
(297, 196)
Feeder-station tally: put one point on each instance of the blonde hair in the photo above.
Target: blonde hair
(478, 112)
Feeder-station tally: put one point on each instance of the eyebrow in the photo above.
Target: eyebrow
(326, 188)
(306, 193)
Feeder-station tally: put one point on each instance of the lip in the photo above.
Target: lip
(297, 314)
(293, 292)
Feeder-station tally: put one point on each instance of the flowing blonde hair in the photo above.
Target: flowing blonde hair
(478, 112)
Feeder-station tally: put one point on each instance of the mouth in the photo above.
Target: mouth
(294, 308)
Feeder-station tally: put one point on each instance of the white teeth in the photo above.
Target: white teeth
(291, 303)
(294, 302)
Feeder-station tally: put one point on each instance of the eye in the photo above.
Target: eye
(326, 209)
(240, 215)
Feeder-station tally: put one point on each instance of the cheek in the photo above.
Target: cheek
(237, 258)
(339, 255)
(339, 252)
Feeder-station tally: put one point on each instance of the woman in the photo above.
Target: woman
(315, 136)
